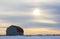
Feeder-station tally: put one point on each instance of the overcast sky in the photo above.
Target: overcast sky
(19, 12)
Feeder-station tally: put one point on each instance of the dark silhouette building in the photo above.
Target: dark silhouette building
(14, 30)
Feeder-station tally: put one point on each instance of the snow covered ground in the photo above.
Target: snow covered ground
(29, 37)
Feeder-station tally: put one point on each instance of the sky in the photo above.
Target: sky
(20, 12)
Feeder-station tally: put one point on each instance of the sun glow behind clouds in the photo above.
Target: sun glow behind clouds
(36, 12)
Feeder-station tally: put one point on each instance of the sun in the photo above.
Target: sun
(36, 12)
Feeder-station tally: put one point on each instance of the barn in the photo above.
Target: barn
(14, 30)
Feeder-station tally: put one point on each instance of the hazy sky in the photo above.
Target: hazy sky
(20, 12)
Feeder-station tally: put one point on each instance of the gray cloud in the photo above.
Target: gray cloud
(37, 24)
(16, 19)
(51, 9)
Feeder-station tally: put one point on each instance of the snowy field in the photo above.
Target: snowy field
(29, 37)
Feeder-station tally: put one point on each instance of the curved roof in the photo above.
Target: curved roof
(19, 29)
(14, 30)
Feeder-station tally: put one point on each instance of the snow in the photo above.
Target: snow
(29, 37)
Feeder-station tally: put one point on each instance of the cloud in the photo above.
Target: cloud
(16, 19)
(19, 11)
(37, 24)
(5, 24)
(29, 1)
(45, 21)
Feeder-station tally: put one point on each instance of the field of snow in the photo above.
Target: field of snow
(29, 37)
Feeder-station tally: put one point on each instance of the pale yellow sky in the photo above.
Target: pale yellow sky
(34, 31)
